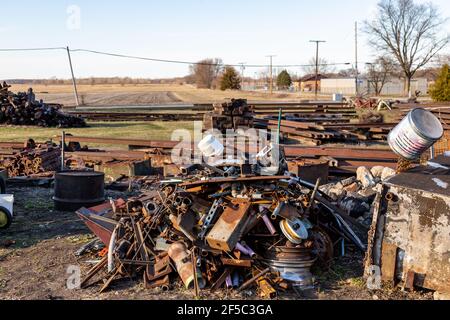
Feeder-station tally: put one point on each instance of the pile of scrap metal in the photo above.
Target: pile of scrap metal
(356, 195)
(229, 115)
(231, 226)
(33, 160)
(23, 109)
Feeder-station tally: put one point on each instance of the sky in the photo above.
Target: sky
(237, 31)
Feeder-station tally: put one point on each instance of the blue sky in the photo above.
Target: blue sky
(236, 31)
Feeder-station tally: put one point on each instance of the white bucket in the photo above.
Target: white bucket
(7, 202)
(415, 134)
(211, 147)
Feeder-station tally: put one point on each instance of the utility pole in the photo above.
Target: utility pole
(356, 59)
(242, 71)
(271, 73)
(316, 91)
(75, 90)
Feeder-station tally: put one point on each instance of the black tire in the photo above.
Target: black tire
(5, 212)
(2, 186)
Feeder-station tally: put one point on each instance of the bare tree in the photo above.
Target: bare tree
(206, 71)
(379, 73)
(347, 73)
(324, 66)
(442, 59)
(409, 32)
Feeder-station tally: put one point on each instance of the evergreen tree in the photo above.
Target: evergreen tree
(230, 80)
(440, 91)
(284, 80)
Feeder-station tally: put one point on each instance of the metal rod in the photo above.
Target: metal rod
(250, 282)
(63, 144)
(75, 90)
(280, 116)
(313, 195)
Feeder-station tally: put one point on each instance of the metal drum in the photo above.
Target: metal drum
(77, 189)
(415, 134)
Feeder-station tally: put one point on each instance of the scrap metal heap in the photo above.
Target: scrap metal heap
(33, 160)
(221, 226)
(229, 115)
(23, 109)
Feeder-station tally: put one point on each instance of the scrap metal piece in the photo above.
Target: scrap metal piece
(295, 230)
(236, 262)
(252, 280)
(266, 289)
(227, 230)
(293, 264)
(221, 280)
(184, 264)
(213, 212)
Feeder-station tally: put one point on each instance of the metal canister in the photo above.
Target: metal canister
(415, 134)
(77, 189)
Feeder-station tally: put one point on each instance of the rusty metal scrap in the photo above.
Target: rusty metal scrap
(33, 161)
(23, 109)
(229, 115)
(236, 232)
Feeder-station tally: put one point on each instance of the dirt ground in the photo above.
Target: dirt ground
(36, 251)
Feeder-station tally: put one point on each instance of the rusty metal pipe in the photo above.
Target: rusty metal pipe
(183, 261)
(252, 280)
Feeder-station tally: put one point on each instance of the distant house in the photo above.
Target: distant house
(395, 87)
(308, 82)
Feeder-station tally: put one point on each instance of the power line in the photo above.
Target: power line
(167, 60)
(33, 49)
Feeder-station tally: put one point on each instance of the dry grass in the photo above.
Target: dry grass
(184, 93)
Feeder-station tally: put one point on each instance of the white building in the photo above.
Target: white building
(394, 87)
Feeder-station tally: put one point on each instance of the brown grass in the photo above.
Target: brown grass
(185, 93)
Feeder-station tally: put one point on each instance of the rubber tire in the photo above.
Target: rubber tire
(2, 186)
(8, 216)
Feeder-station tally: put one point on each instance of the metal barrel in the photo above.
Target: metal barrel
(415, 134)
(77, 189)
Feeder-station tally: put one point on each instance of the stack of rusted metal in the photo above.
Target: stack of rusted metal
(33, 161)
(23, 109)
(221, 227)
(323, 132)
(229, 115)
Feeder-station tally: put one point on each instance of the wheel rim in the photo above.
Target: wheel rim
(3, 219)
